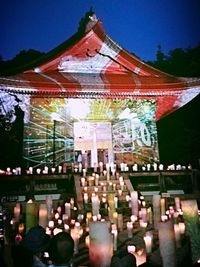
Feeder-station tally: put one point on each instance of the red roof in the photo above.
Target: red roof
(95, 66)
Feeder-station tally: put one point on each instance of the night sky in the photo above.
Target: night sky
(139, 26)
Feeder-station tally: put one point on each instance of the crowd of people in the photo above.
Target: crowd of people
(37, 249)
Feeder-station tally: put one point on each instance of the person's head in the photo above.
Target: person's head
(36, 240)
(127, 260)
(61, 248)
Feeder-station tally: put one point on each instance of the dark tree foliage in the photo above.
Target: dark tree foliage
(179, 61)
(21, 60)
(179, 132)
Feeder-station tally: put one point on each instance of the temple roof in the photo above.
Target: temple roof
(93, 65)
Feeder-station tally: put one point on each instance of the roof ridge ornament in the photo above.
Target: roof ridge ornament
(92, 21)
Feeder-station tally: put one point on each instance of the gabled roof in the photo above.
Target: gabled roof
(93, 65)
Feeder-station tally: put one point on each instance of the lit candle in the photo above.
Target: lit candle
(30, 169)
(53, 170)
(85, 197)
(95, 204)
(134, 202)
(96, 189)
(155, 166)
(59, 210)
(87, 241)
(65, 218)
(133, 218)
(43, 216)
(38, 171)
(56, 231)
(122, 167)
(148, 167)
(68, 209)
(161, 167)
(59, 222)
(164, 218)
(96, 180)
(51, 224)
(84, 172)
(88, 218)
(59, 169)
(167, 243)
(48, 231)
(148, 243)
(192, 224)
(46, 170)
(83, 181)
(57, 215)
(66, 227)
(94, 218)
(21, 228)
(143, 224)
(99, 217)
(31, 214)
(115, 233)
(75, 236)
(144, 214)
(156, 210)
(17, 210)
(116, 202)
(135, 167)
(101, 245)
(130, 229)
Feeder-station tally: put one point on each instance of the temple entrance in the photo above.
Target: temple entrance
(93, 140)
(102, 155)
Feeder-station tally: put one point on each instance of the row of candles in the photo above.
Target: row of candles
(162, 218)
(144, 214)
(108, 166)
(170, 218)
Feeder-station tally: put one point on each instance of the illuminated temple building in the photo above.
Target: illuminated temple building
(91, 100)
(88, 114)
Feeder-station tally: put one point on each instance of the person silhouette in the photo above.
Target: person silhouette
(61, 250)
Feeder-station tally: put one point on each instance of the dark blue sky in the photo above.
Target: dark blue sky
(139, 26)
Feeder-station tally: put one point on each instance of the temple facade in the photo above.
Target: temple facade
(92, 101)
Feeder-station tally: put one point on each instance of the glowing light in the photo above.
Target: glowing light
(55, 117)
(80, 109)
